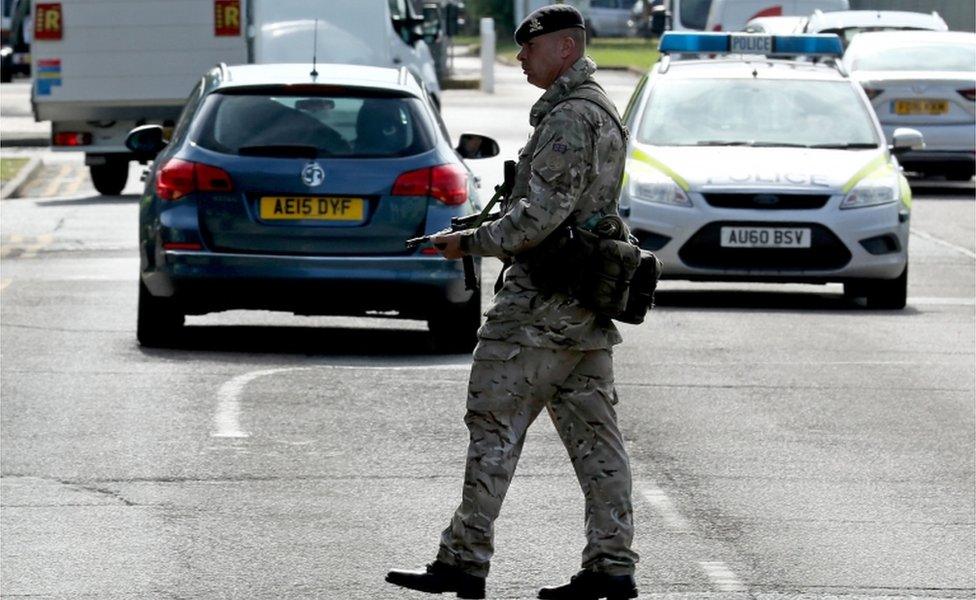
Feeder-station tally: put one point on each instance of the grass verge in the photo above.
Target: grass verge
(609, 53)
(9, 167)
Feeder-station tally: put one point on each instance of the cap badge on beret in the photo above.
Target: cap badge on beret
(535, 25)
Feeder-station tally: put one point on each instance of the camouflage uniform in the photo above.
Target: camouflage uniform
(539, 350)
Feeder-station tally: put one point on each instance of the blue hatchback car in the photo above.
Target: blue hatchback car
(284, 189)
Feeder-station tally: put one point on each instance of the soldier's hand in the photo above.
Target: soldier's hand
(449, 244)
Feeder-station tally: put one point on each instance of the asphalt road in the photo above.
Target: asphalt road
(786, 444)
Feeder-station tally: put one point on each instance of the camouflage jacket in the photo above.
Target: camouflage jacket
(570, 169)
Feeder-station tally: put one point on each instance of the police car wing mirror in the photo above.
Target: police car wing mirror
(473, 145)
(146, 141)
(905, 139)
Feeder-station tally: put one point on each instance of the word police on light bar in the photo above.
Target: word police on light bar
(751, 43)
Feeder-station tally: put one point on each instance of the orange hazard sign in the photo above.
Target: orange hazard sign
(48, 24)
(227, 17)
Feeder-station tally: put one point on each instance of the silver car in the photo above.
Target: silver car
(753, 168)
(927, 81)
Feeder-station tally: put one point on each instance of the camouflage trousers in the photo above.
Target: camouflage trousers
(508, 388)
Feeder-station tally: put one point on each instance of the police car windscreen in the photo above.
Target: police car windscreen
(716, 112)
(916, 57)
(300, 125)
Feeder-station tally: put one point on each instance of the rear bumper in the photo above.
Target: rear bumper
(412, 286)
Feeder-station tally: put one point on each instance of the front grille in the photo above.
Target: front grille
(704, 251)
(775, 201)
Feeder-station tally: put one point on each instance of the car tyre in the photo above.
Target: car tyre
(959, 174)
(158, 322)
(884, 294)
(109, 179)
(454, 328)
(6, 69)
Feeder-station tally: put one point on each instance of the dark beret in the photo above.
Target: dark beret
(546, 20)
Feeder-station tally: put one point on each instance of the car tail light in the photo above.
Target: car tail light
(177, 178)
(969, 94)
(446, 183)
(412, 183)
(449, 184)
(182, 246)
(72, 138)
(872, 93)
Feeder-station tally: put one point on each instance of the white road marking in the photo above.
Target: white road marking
(226, 421)
(4, 283)
(722, 577)
(928, 236)
(656, 497)
(943, 301)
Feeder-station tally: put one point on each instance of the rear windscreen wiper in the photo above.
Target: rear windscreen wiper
(851, 146)
(280, 150)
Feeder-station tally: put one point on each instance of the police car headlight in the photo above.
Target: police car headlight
(872, 192)
(657, 188)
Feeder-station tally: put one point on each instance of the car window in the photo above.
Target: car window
(628, 117)
(186, 115)
(690, 112)
(335, 125)
(916, 57)
(694, 13)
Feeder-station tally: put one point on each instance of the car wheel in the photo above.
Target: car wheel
(959, 174)
(886, 294)
(6, 70)
(158, 322)
(109, 179)
(454, 328)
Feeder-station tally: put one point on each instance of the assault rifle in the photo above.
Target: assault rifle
(472, 222)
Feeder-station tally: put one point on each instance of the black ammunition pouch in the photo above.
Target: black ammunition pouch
(612, 277)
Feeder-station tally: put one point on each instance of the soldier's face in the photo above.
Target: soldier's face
(544, 58)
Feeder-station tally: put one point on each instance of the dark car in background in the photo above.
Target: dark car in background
(292, 190)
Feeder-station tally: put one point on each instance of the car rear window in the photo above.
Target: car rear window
(343, 124)
(916, 57)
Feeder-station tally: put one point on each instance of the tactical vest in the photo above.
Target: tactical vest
(590, 91)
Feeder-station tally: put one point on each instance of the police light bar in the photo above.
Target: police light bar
(751, 43)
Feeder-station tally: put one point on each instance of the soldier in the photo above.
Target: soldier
(540, 349)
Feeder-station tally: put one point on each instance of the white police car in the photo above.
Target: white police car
(744, 167)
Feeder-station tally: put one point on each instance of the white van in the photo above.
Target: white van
(381, 33)
(732, 15)
(95, 87)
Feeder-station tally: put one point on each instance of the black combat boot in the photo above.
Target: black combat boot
(439, 578)
(590, 585)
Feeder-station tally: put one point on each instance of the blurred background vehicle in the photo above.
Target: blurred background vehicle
(15, 38)
(847, 24)
(776, 25)
(927, 81)
(287, 189)
(754, 168)
(609, 18)
(732, 15)
(94, 87)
